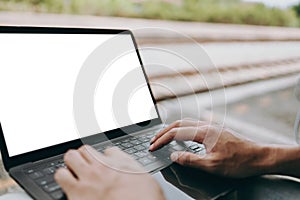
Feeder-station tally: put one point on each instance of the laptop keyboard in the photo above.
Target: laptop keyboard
(136, 146)
(43, 176)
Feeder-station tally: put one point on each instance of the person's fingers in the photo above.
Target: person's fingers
(179, 123)
(93, 155)
(196, 134)
(65, 179)
(118, 154)
(114, 152)
(87, 153)
(122, 161)
(75, 162)
(187, 158)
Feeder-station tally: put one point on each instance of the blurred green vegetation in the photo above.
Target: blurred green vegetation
(218, 11)
(297, 9)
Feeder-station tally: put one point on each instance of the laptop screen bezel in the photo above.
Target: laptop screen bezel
(57, 149)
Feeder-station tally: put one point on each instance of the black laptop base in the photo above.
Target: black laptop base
(37, 177)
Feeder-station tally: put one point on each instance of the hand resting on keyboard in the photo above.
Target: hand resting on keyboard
(111, 175)
(227, 153)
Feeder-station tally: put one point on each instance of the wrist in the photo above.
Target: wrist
(264, 160)
(280, 159)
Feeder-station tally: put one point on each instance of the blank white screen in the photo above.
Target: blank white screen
(37, 77)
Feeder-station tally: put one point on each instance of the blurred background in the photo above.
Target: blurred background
(253, 46)
(264, 12)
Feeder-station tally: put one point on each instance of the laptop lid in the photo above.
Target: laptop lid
(47, 79)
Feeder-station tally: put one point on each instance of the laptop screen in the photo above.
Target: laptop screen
(38, 74)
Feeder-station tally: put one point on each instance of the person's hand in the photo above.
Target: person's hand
(227, 153)
(112, 175)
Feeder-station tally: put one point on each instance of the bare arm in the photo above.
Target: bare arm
(287, 160)
(228, 153)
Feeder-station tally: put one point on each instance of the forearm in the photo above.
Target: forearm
(283, 160)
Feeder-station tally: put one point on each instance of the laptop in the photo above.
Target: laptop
(65, 87)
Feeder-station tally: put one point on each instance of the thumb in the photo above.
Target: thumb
(186, 158)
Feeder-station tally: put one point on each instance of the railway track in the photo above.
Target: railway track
(183, 83)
